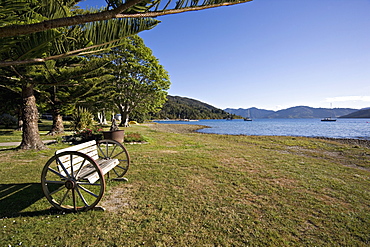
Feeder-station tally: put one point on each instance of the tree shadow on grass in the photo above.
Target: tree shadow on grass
(6, 132)
(7, 149)
(14, 198)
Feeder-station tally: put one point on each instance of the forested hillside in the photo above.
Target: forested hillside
(178, 107)
(363, 113)
(251, 112)
(293, 112)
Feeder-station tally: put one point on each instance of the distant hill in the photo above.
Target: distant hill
(252, 113)
(178, 107)
(363, 113)
(293, 112)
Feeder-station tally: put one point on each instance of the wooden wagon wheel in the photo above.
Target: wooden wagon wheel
(110, 149)
(72, 181)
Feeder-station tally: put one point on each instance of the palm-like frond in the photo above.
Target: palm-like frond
(163, 5)
(57, 32)
(9, 10)
(66, 41)
(118, 9)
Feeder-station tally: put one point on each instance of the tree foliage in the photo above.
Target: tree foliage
(184, 108)
(140, 82)
(65, 41)
(68, 82)
(37, 31)
(114, 9)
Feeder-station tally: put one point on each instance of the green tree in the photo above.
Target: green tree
(36, 31)
(140, 82)
(10, 101)
(54, 44)
(115, 9)
(69, 82)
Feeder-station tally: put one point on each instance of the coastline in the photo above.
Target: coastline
(190, 128)
(349, 141)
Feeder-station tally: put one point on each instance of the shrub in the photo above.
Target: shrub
(82, 119)
(89, 134)
(134, 137)
(8, 120)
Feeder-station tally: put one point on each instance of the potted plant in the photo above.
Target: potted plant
(114, 133)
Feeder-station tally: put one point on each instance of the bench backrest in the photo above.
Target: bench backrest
(89, 148)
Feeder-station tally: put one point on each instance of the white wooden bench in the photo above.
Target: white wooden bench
(73, 179)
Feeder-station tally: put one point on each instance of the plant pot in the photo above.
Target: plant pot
(117, 135)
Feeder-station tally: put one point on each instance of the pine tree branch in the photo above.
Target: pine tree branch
(177, 11)
(14, 30)
(83, 51)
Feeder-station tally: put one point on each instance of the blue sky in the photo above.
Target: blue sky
(269, 54)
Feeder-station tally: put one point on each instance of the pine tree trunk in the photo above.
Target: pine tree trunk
(57, 127)
(30, 136)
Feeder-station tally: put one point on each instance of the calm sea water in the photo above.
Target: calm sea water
(342, 128)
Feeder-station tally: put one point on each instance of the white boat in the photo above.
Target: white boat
(328, 119)
(248, 118)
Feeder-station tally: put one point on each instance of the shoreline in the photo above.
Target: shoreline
(192, 128)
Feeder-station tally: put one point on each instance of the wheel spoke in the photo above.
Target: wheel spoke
(114, 148)
(57, 173)
(56, 191)
(88, 183)
(123, 168)
(81, 196)
(118, 173)
(122, 160)
(64, 169)
(62, 187)
(64, 197)
(117, 154)
(87, 191)
(71, 164)
(114, 170)
(105, 156)
(54, 182)
(74, 199)
(79, 169)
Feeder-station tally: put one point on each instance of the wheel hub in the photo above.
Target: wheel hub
(70, 184)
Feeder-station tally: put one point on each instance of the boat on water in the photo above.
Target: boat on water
(328, 119)
(248, 118)
(188, 120)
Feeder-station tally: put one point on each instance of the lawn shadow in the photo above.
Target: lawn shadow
(8, 149)
(14, 198)
(6, 132)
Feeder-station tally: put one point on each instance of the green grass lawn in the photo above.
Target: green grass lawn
(202, 190)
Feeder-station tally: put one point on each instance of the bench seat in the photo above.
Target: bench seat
(89, 172)
(71, 163)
